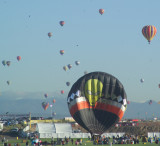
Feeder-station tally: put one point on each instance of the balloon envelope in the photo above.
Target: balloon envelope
(101, 11)
(61, 52)
(50, 34)
(149, 31)
(61, 23)
(54, 100)
(45, 105)
(97, 101)
(8, 82)
(18, 58)
(65, 68)
(77, 62)
(8, 63)
(67, 83)
(142, 80)
(45, 95)
(69, 66)
(4, 62)
(62, 91)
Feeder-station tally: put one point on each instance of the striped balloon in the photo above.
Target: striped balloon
(149, 31)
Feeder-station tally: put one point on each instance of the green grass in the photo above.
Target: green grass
(86, 142)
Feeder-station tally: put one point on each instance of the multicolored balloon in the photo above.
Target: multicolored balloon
(149, 31)
(61, 52)
(50, 34)
(69, 66)
(18, 58)
(65, 68)
(97, 101)
(45, 105)
(101, 11)
(8, 63)
(61, 23)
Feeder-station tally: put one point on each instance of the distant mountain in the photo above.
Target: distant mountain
(19, 103)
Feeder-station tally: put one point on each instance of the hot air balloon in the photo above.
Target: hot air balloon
(69, 66)
(65, 68)
(158, 102)
(61, 52)
(45, 95)
(45, 105)
(141, 80)
(67, 83)
(159, 85)
(8, 63)
(18, 58)
(97, 101)
(150, 102)
(54, 100)
(50, 34)
(62, 91)
(61, 23)
(8, 82)
(149, 31)
(101, 11)
(4, 62)
(77, 62)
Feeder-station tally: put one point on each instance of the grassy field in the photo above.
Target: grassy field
(86, 142)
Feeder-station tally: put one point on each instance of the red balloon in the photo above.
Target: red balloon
(62, 91)
(18, 58)
(54, 100)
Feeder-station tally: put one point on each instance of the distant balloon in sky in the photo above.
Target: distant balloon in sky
(149, 31)
(77, 62)
(62, 91)
(159, 85)
(45, 95)
(4, 62)
(8, 63)
(61, 52)
(141, 80)
(8, 82)
(65, 68)
(61, 23)
(150, 102)
(97, 101)
(67, 83)
(45, 105)
(18, 58)
(101, 11)
(50, 34)
(54, 100)
(69, 66)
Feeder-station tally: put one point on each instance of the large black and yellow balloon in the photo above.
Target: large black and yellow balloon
(97, 101)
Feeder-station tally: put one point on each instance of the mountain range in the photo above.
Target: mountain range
(24, 102)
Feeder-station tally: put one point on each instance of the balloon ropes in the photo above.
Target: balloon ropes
(97, 101)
